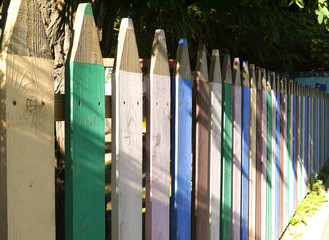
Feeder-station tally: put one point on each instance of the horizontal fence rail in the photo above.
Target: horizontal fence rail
(226, 154)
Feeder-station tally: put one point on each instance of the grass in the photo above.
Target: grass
(309, 205)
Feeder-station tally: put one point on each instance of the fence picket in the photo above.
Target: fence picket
(236, 150)
(126, 169)
(27, 193)
(252, 153)
(226, 189)
(158, 141)
(245, 150)
(200, 109)
(181, 145)
(215, 89)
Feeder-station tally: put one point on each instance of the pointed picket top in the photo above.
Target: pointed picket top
(252, 76)
(291, 87)
(227, 73)
(245, 74)
(259, 78)
(182, 65)
(85, 46)
(263, 75)
(236, 72)
(273, 81)
(268, 81)
(127, 53)
(159, 58)
(278, 83)
(201, 68)
(215, 74)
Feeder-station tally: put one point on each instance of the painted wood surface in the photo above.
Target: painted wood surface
(215, 138)
(282, 152)
(180, 218)
(289, 154)
(252, 153)
(245, 120)
(259, 155)
(158, 141)
(84, 132)
(126, 169)
(225, 230)
(297, 151)
(269, 144)
(273, 155)
(264, 155)
(277, 160)
(27, 202)
(200, 197)
(236, 151)
(294, 172)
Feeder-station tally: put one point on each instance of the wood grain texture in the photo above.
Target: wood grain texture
(27, 202)
(200, 167)
(225, 230)
(181, 142)
(252, 153)
(84, 132)
(215, 138)
(126, 169)
(245, 125)
(236, 151)
(259, 155)
(158, 141)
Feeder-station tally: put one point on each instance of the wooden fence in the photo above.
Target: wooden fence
(228, 154)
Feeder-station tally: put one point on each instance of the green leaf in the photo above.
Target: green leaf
(300, 3)
(320, 18)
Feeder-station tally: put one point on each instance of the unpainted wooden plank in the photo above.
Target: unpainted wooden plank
(252, 153)
(236, 150)
(200, 197)
(181, 142)
(215, 137)
(158, 141)
(293, 166)
(225, 230)
(126, 169)
(27, 202)
(245, 134)
(84, 132)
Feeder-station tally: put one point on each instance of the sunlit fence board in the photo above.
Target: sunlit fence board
(245, 120)
(225, 227)
(127, 111)
(27, 193)
(158, 141)
(215, 137)
(200, 196)
(180, 215)
(236, 151)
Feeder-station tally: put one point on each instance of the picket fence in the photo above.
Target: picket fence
(229, 152)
